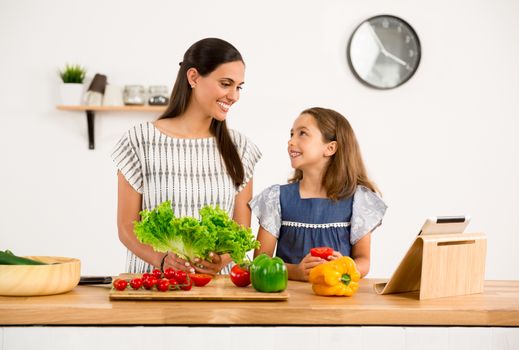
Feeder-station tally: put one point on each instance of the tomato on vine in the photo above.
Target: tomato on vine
(157, 273)
(169, 273)
(181, 276)
(173, 283)
(188, 285)
(163, 285)
(136, 283)
(120, 284)
(149, 282)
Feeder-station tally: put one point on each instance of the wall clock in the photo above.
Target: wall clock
(384, 52)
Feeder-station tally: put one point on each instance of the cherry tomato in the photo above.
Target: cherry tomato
(180, 276)
(240, 275)
(157, 273)
(200, 279)
(149, 282)
(187, 285)
(120, 284)
(136, 283)
(163, 285)
(173, 284)
(146, 275)
(169, 273)
(321, 252)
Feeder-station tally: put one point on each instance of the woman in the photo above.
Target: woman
(188, 155)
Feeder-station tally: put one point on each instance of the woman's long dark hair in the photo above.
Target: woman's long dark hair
(205, 56)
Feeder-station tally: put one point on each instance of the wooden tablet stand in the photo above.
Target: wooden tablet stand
(440, 265)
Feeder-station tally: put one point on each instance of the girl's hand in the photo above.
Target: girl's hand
(336, 255)
(176, 262)
(308, 263)
(208, 267)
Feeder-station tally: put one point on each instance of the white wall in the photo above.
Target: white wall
(442, 144)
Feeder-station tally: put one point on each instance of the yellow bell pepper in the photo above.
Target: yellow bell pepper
(336, 277)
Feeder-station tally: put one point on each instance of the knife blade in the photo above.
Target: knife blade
(95, 280)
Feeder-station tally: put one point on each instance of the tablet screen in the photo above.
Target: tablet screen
(444, 225)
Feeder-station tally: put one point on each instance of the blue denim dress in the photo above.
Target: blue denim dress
(312, 222)
(300, 224)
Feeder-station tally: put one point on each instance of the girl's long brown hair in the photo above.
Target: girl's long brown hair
(345, 169)
(205, 56)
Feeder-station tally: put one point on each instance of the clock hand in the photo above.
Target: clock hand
(387, 54)
(383, 49)
(377, 40)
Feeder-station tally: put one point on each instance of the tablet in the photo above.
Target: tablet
(444, 225)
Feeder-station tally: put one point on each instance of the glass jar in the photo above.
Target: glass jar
(158, 95)
(134, 95)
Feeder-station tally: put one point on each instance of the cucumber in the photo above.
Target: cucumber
(8, 258)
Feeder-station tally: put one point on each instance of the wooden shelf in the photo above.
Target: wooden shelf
(144, 108)
(90, 113)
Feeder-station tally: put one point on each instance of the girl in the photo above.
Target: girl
(328, 202)
(188, 155)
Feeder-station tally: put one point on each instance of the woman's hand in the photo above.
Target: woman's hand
(308, 263)
(176, 262)
(208, 267)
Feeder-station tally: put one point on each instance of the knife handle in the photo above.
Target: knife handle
(95, 280)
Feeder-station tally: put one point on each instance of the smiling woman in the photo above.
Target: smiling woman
(188, 156)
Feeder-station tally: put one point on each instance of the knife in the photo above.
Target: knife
(95, 280)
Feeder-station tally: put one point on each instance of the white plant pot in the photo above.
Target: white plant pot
(71, 94)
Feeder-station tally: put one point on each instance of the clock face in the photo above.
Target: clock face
(384, 52)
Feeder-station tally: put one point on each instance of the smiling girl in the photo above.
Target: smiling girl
(329, 202)
(188, 156)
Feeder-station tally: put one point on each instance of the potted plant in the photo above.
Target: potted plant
(71, 90)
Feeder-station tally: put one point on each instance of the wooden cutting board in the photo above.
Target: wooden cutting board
(220, 288)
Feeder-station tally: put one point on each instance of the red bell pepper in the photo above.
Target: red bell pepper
(321, 252)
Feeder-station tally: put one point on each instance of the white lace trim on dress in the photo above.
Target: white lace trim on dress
(305, 225)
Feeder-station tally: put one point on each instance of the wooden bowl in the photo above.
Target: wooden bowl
(60, 276)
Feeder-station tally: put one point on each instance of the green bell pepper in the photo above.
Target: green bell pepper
(268, 274)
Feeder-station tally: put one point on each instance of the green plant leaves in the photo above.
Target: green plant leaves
(73, 74)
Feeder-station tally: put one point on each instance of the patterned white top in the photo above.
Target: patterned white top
(189, 172)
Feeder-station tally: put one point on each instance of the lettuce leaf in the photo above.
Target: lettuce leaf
(191, 238)
(232, 238)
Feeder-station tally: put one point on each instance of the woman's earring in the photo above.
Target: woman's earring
(193, 86)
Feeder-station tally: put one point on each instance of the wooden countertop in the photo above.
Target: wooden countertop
(90, 305)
